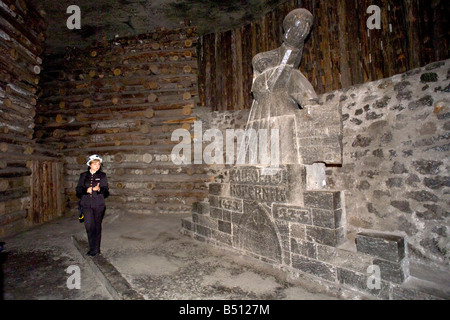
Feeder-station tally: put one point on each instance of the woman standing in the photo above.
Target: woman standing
(92, 189)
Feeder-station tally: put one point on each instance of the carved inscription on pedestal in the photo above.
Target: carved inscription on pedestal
(293, 214)
(251, 184)
(253, 175)
(259, 193)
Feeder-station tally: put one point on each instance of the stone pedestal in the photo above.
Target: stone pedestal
(261, 215)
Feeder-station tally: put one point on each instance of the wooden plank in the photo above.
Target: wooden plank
(202, 72)
(213, 71)
(343, 40)
(207, 57)
(45, 195)
(227, 75)
(247, 42)
(219, 71)
(234, 68)
(35, 194)
(238, 71)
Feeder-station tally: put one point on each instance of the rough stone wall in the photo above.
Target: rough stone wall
(395, 170)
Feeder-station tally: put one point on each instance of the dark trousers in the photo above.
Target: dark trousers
(93, 222)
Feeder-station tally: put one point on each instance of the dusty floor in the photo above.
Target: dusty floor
(150, 255)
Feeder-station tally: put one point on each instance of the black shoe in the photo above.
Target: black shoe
(93, 254)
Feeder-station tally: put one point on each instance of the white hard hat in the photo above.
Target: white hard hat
(94, 157)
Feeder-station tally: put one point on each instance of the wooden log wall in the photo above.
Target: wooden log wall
(122, 99)
(339, 52)
(29, 172)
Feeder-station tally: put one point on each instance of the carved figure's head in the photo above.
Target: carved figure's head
(297, 25)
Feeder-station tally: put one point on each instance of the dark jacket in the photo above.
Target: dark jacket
(87, 180)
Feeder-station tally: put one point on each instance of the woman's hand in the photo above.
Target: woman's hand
(89, 190)
(97, 187)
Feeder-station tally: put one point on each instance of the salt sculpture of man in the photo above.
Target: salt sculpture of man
(279, 87)
(279, 90)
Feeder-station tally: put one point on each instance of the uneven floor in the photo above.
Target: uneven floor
(146, 254)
